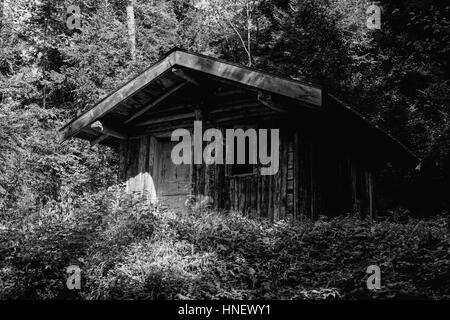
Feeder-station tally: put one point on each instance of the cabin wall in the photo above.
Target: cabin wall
(313, 179)
(138, 165)
(291, 192)
(310, 182)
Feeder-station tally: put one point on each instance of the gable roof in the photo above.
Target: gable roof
(162, 80)
(309, 94)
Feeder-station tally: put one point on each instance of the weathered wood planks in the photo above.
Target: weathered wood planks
(295, 191)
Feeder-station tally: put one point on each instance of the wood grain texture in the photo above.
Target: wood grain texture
(304, 186)
(289, 88)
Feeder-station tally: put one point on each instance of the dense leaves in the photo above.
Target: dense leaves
(127, 248)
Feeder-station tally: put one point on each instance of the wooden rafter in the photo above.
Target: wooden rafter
(156, 102)
(267, 100)
(181, 74)
(250, 77)
(167, 118)
(100, 128)
(99, 139)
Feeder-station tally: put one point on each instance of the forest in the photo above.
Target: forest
(63, 204)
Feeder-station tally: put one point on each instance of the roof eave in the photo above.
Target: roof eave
(298, 90)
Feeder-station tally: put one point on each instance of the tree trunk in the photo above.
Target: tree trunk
(249, 43)
(1, 14)
(131, 29)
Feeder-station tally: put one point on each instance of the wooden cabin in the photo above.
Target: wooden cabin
(328, 153)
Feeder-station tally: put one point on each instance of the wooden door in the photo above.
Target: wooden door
(174, 181)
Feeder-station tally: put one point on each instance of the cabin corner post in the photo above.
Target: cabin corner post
(372, 188)
(296, 156)
(283, 173)
(370, 194)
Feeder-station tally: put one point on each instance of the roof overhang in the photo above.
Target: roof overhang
(306, 93)
(178, 70)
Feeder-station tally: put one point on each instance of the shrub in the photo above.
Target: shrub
(130, 249)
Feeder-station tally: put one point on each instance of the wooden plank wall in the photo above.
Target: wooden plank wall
(138, 165)
(347, 185)
(310, 180)
(292, 192)
(362, 194)
(303, 186)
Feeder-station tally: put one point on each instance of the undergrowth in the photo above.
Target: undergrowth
(129, 249)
